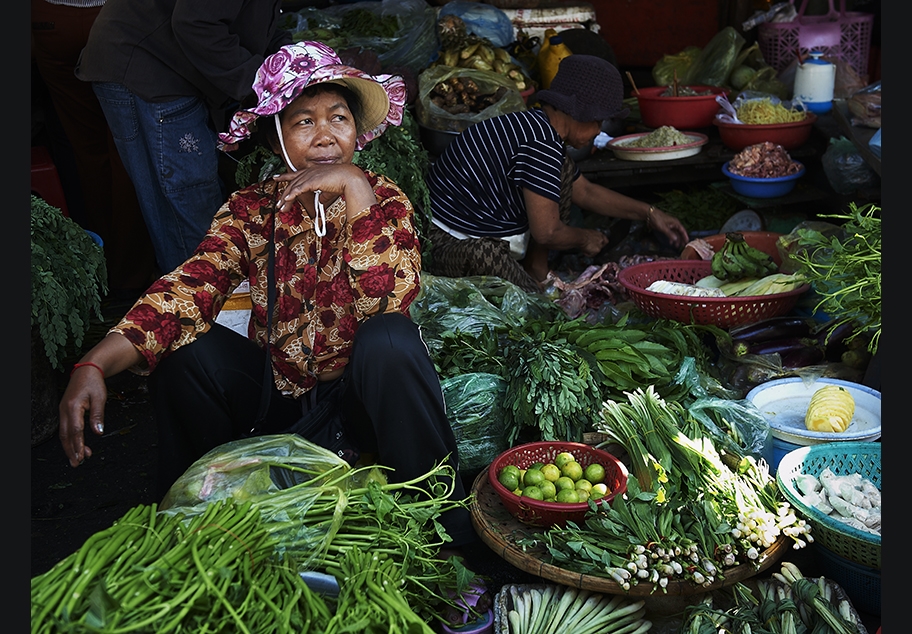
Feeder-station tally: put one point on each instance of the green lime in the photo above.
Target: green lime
(572, 470)
(567, 496)
(549, 491)
(512, 468)
(508, 479)
(599, 490)
(551, 471)
(536, 465)
(594, 473)
(564, 482)
(533, 477)
(583, 494)
(582, 485)
(563, 458)
(533, 492)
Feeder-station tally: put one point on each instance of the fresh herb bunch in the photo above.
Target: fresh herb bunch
(551, 389)
(69, 278)
(844, 270)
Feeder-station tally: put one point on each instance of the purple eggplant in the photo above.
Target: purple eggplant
(832, 338)
(770, 329)
(802, 357)
(783, 346)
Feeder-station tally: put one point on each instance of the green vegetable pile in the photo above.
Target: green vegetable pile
(224, 551)
(698, 208)
(844, 270)
(557, 371)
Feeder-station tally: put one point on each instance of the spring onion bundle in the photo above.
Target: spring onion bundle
(685, 515)
(573, 611)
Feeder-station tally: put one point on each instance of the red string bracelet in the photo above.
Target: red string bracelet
(87, 363)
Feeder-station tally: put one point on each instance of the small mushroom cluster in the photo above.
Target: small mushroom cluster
(459, 95)
(763, 160)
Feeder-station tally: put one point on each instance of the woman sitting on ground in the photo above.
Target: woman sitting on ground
(332, 258)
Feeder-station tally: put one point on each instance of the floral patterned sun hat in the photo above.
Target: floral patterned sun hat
(286, 73)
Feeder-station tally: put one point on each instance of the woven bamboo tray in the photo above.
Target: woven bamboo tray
(500, 531)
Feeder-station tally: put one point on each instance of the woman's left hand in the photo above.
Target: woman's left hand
(669, 226)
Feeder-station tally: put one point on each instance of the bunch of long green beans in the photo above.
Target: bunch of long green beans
(216, 572)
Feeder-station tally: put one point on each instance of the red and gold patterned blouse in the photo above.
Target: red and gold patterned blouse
(326, 286)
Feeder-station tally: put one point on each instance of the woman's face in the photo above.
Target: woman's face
(318, 129)
(582, 134)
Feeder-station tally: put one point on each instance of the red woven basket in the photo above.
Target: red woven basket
(541, 513)
(724, 312)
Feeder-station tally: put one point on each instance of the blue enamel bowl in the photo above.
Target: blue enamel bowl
(763, 187)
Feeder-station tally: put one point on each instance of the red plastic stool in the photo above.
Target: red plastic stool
(46, 180)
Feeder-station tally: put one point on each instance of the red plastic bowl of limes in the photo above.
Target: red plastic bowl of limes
(552, 513)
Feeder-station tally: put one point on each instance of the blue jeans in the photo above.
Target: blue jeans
(169, 150)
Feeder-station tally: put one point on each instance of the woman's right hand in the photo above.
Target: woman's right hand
(86, 393)
(594, 242)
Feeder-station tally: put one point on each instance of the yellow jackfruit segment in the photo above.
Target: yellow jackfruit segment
(830, 410)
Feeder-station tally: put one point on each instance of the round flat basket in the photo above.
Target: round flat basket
(842, 458)
(620, 147)
(503, 533)
(724, 312)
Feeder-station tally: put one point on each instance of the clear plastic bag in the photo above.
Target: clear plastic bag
(413, 45)
(663, 73)
(283, 474)
(736, 426)
(431, 115)
(845, 168)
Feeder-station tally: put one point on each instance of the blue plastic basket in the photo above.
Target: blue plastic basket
(861, 583)
(843, 458)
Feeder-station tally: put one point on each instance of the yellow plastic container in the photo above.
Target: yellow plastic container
(549, 58)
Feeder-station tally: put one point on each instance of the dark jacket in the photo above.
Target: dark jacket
(164, 49)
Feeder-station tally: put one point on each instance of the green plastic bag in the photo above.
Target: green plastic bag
(474, 404)
(663, 73)
(717, 59)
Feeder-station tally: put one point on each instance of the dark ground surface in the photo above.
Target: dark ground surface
(69, 505)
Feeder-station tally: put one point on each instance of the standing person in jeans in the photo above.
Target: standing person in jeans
(168, 73)
(60, 29)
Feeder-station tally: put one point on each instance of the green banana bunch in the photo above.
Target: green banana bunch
(737, 260)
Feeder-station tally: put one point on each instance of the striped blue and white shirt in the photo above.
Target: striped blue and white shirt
(476, 184)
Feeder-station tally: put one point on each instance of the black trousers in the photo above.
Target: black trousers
(208, 393)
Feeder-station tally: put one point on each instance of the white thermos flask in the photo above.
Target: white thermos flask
(814, 83)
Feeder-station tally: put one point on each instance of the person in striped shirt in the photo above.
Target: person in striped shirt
(501, 191)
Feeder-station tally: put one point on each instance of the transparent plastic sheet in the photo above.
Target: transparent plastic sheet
(470, 304)
(433, 116)
(413, 46)
(737, 426)
(283, 474)
(788, 244)
(845, 167)
(474, 404)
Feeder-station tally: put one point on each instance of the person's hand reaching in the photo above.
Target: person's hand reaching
(669, 226)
